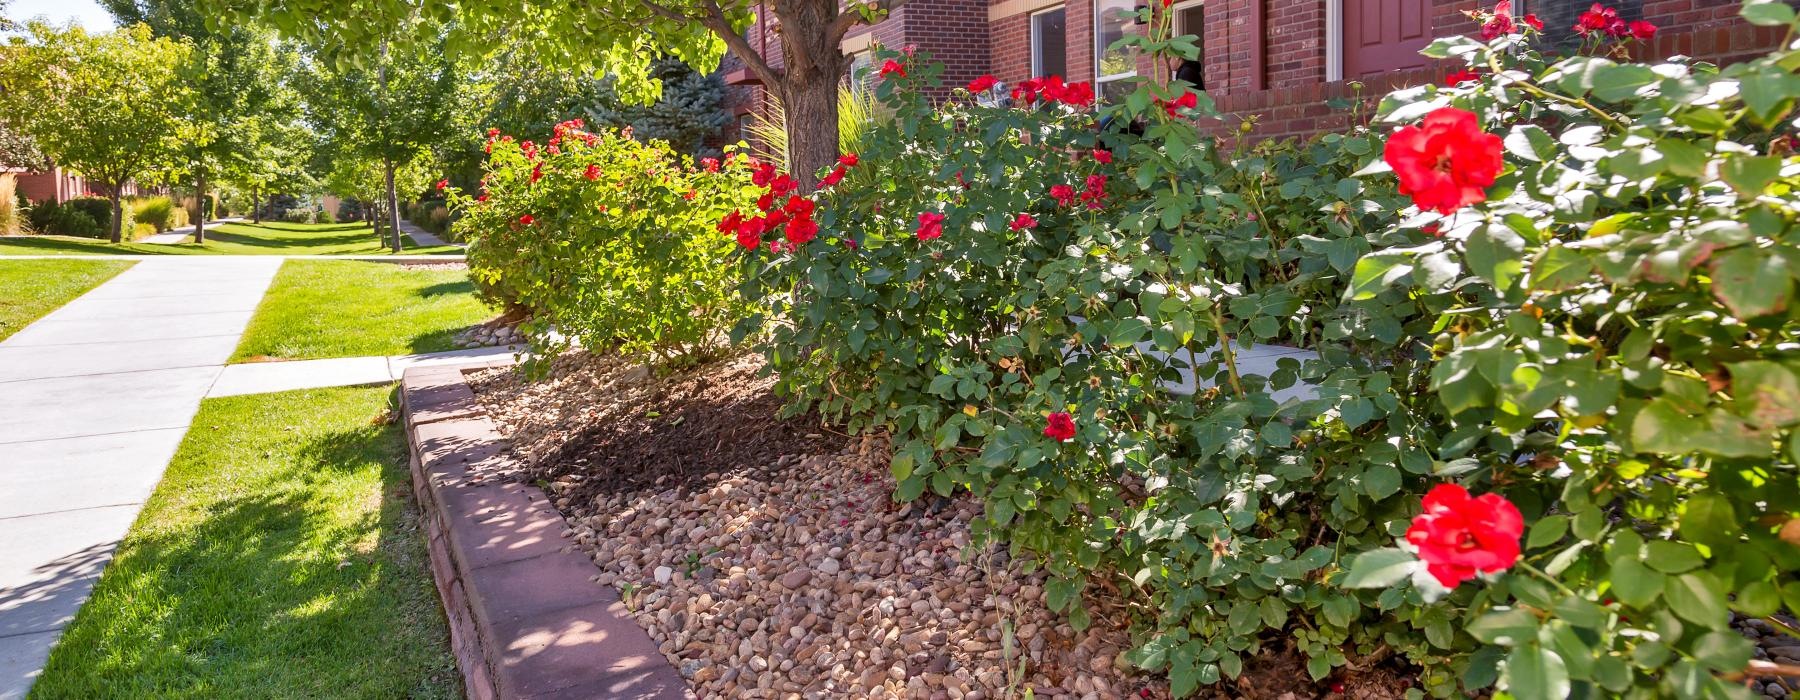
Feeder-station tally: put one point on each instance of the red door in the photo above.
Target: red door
(1384, 35)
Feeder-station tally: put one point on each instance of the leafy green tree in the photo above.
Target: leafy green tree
(623, 37)
(691, 107)
(394, 110)
(237, 96)
(103, 105)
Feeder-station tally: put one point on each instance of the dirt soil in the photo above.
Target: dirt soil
(767, 558)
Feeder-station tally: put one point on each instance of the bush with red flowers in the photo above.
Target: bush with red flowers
(1601, 259)
(609, 241)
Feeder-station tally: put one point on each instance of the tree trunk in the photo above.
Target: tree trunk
(393, 205)
(256, 205)
(811, 109)
(200, 196)
(118, 214)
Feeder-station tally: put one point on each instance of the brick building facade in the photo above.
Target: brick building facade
(1279, 61)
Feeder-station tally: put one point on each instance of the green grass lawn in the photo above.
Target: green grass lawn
(280, 557)
(240, 238)
(350, 308)
(31, 288)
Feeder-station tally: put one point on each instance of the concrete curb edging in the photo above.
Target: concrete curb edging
(526, 618)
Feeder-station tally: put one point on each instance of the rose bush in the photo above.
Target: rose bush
(1613, 327)
(607, 240)
(1561, 285)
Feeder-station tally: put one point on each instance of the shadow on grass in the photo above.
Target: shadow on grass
(259, 242)
(96, 246)
(269, 595)
(287, 227)
(443, 288)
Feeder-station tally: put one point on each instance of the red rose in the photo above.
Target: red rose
(801, 230)
(1532, 21)
(1023, 221)
(592, 172)
(492, 132)
(1188, 100)
(1596, 19)
(834, 177)
(1095, 193)
(482, 198)
(711, 165)
(1462, 76)
(1445, 163)
(527, 220)
(931, 226)
(1102, 155)
(731, 222)
(1458, 536)
(983, 83)
(1498, 26)
(689, 195)
(537, 172)
(849, 160)
(1059, 426)
(893, 68)
(1078, 95)
(443, 185)
(1642, 31)
(1064, 194)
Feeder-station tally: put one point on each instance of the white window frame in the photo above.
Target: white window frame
(1177, 9)
(1334, 40)
(1037, 50)
(1100, 81)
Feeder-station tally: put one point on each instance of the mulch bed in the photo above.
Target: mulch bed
(768, 559)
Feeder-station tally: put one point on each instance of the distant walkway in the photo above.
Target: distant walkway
(424, 237)
(177, 235)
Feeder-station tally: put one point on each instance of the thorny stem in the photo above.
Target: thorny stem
(1547, 577)
(1528, 86)
(1225, 350)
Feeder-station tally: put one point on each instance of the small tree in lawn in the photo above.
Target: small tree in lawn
(625, 38)
(102, 105)
(237, 87)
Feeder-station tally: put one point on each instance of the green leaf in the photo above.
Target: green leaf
(1767, 13)
(1757, 599)
(1618, 82)
(1751, 282)
(1635, 584)
(1673, 557)
(1767, 394)
(1698, 598)
(1708, 519)
(1494, 253)
(1530, 142)
(1381, 481)
(1508, 627)
(1535, 672)
(1724, 650)
(1547, 530)
(1379, 568)
(1376, 272)
(1559, 268)
(1750, 175)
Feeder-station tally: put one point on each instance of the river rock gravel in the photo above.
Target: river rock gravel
(790, 575)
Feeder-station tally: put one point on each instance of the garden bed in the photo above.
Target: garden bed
(767, 554)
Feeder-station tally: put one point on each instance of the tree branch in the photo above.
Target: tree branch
(715, 21)
(850, 17)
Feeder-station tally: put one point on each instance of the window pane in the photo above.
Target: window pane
(1049, 44)
(1191, 21)
(1112, 17)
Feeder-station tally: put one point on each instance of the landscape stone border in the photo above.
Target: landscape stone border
(526, 618)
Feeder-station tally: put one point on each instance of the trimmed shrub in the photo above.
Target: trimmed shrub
(324, 216)
(48, 217)
(96, 209)
(609, 240)
(300, 215)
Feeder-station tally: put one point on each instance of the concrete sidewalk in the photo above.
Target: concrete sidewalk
(96, 397)
(424, 237)
(270, 377)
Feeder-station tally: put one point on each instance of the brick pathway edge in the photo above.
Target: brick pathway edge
(526, 619)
